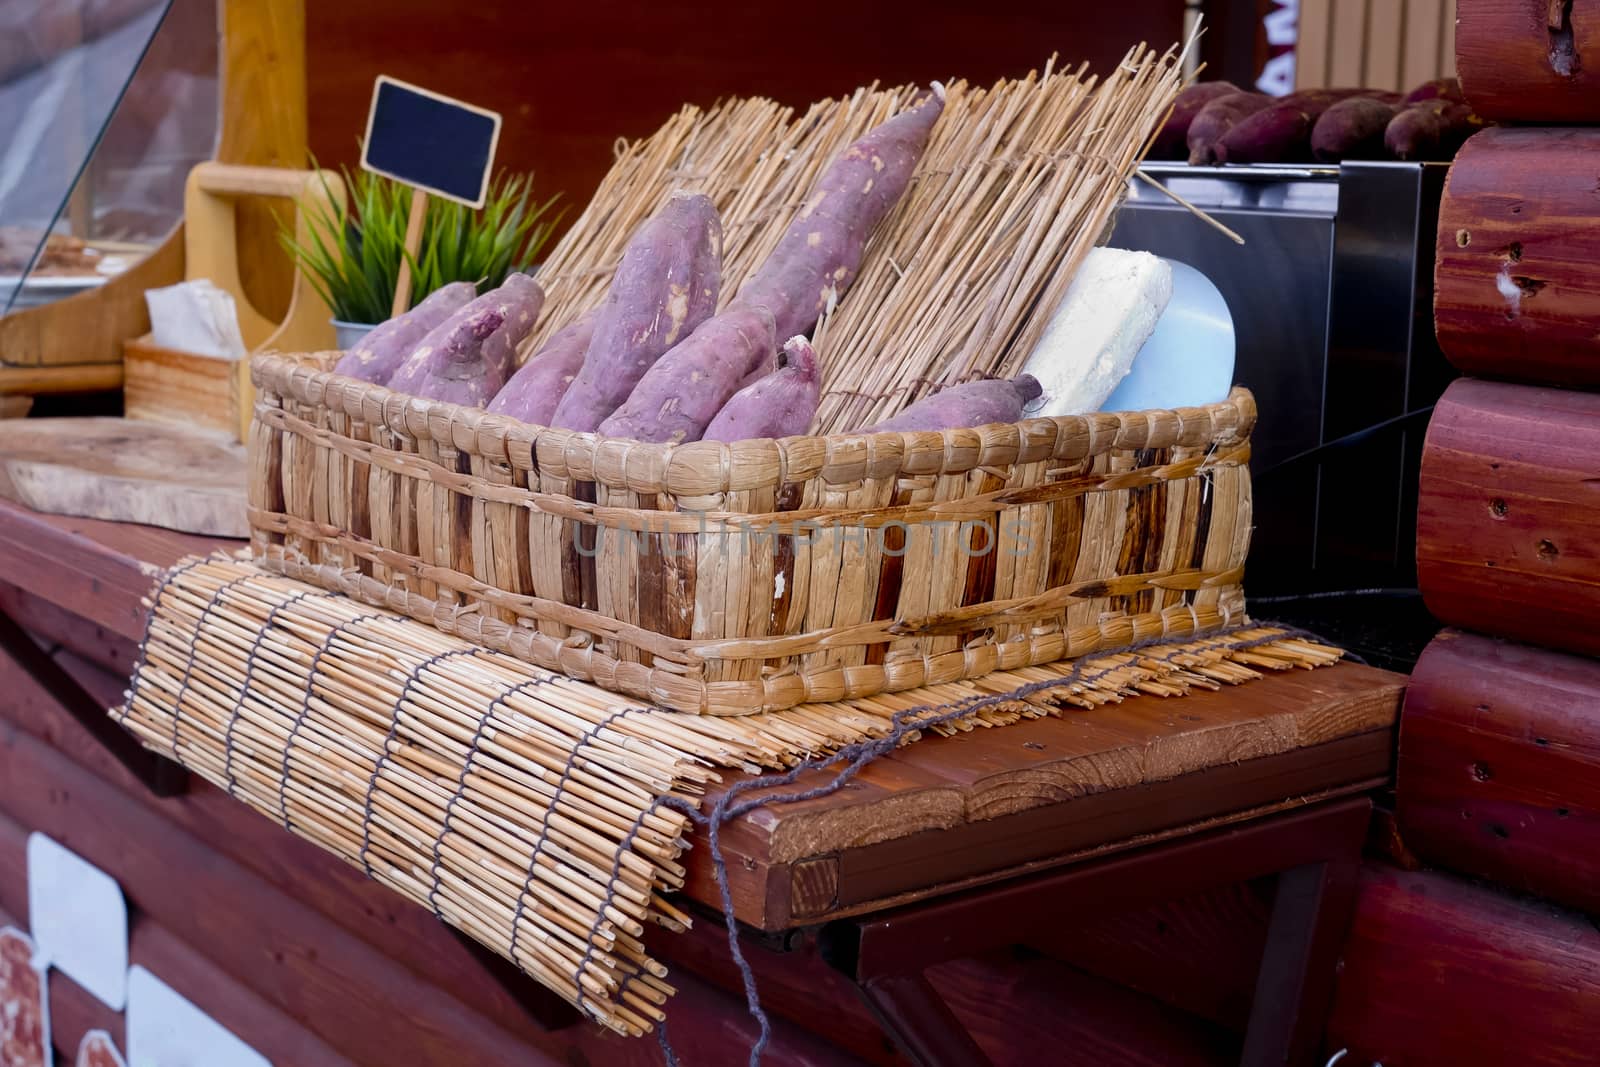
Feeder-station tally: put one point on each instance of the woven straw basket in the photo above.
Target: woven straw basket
(730, 579)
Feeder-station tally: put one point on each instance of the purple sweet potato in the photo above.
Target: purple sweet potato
(532, 393)
(1275, 134)
(780, 404)
(1438, 89)
(449, 364)
(1352, 129)
(379, 354)
(972, 404)
(1432, 130)
(1173, 140)
(1319, 100)
(665, 287)
(819, 254)
(678, 397)
(1217, 118)
(519, 299)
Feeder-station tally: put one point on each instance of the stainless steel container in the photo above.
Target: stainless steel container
(1332, 303)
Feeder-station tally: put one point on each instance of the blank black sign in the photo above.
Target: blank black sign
(430, 141)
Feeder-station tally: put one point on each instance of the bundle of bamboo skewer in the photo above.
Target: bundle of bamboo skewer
(1019, 181)
(522, 807)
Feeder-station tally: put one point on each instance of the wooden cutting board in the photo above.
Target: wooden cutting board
(123, 470)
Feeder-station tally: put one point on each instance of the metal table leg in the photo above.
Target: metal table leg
(1294, 988)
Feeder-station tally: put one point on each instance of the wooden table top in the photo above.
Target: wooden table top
(940, 814)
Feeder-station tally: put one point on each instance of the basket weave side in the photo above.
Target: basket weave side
(734, 578)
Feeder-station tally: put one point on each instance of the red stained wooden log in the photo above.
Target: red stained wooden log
(1508, 512)
(1438, 971)
(74, 1012)
(1500, 766)
(1530, 60)
(1517, 275)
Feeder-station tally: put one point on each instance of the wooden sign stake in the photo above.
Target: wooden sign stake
(402, 283)
(438, 146)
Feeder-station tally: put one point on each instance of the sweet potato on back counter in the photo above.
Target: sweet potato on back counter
(679, 396)
(533, 392)
(1431, 130)
(821, 250)
(780, 404)
(1438, 89)
(666, 286)
(1217, 118)
(1352, 129)
(379, 354)
(970, 404)
(1173, 140)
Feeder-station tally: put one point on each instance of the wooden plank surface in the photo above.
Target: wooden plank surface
(126, 471)
(948, 809)
(99, 571)
(1499, 773)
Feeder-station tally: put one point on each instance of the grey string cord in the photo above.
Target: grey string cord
(856, 756)
(194, 652)
(142, 655)
(412, 677)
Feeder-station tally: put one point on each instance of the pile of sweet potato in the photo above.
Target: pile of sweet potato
(1216, 122)
(656, 361)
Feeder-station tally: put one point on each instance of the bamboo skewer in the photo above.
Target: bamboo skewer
(1018, 182)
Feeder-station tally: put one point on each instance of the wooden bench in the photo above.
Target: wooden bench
(947, 847)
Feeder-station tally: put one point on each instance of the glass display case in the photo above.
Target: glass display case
(105, 106)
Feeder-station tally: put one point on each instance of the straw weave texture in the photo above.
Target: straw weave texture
(531, 811)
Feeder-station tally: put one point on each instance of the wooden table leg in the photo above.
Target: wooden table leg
(1294, 988)
(920, 1023)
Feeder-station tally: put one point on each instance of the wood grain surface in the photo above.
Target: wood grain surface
(1509, 499)
(1438, 971)
(1530, 60)
(1499, 773)
(121, 470)
(1517, 274)
(946, 810)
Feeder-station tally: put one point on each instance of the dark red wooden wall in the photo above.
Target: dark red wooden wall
(570, 78)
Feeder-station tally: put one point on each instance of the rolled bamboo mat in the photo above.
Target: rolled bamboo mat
(542, 816)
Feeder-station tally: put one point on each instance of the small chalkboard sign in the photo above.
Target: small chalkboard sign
(430, 142)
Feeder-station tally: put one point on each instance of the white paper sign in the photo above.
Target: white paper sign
(79, 920)
(165, 1030)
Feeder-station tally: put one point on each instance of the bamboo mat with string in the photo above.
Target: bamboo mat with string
(542, 816)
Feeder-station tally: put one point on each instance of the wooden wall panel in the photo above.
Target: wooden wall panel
(1517, 274)
(571, 78)
(1437, 971)
(1531, 60)
(1378, 44)
(1509, 506)
(1499, 773)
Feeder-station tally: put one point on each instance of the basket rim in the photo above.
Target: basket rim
(711, 467)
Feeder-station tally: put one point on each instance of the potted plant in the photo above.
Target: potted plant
(354, 254)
